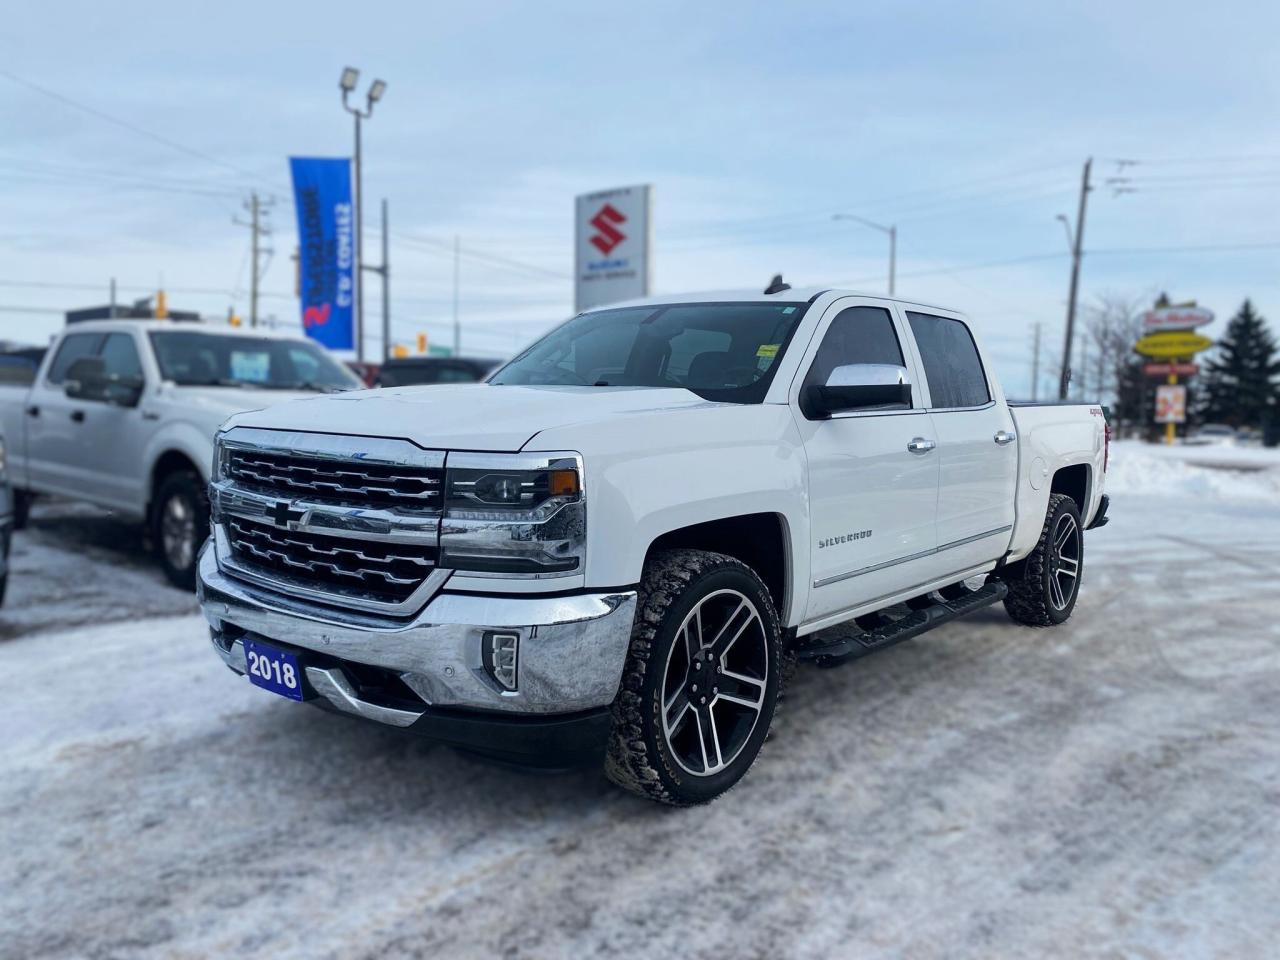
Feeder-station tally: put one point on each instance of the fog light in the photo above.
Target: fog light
(502, 657)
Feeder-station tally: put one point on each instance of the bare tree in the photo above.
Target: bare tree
(1113, 324)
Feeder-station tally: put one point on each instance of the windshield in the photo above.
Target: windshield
(720, 351)
(203, 359)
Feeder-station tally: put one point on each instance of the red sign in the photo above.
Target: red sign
(1177, 318)
(608, 235)
(1164, 369)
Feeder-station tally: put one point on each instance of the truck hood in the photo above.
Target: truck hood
(221, 402)
(466, 416)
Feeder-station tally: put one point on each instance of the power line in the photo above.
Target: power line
(126, 125)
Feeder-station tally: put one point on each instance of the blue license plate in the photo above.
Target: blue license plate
(273, 669)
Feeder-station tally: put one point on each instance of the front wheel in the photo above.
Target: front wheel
(179, 525)
(1044, 586)
(701, 679)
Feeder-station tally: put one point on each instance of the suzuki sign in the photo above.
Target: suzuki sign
(612, 241)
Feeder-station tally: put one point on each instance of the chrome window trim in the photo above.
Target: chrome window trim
(982, 406)
(825, 581)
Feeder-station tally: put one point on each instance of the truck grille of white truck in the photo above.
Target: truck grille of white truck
(353, 523)
(384, 572)
(365, 484)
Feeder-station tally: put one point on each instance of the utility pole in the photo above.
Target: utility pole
(1077, 242)
(258, 229)
(386, 287)
(113, 298)
(457, 327)
(1035, 363)
(384, 271)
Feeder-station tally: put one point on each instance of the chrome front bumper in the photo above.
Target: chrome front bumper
(571, 654)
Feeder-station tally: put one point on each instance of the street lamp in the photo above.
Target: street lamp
(893, 240)
(347, 83)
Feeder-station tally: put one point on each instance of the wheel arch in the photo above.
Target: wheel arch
(1074, 481)
(760, 540)
(168, 463)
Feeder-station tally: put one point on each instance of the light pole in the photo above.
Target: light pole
(347, 83)
(893, 240)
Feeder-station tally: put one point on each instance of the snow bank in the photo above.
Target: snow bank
(1154, 471)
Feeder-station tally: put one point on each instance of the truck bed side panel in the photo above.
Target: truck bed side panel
(1051, 437)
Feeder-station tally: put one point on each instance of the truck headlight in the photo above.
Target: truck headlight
(514, 514)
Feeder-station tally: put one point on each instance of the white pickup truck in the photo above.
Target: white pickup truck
(122, 413)
(613, 546)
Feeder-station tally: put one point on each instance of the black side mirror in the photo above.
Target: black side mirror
(858, 386)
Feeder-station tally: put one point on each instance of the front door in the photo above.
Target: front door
(873, 479)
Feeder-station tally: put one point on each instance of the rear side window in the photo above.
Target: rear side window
(73, 348)
(856, 335)
(951, 362)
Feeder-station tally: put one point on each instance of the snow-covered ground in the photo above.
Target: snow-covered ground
(1108, 788)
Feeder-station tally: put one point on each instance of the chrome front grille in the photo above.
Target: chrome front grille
(367, 484)
(385, 572)
(352, 522)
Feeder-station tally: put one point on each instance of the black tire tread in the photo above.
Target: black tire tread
(629, 762)
(189, 479)
(1026, 602)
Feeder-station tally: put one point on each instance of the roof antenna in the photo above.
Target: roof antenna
(776, 285)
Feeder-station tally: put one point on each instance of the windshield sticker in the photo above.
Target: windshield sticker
(252, 367)
(768, 350)
(787, 310)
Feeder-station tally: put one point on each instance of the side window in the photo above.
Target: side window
(856, 335)
(72, 348)
(120, 355)
(951, 362)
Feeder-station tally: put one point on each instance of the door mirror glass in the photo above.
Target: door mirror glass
(859, 386)
(87, 379)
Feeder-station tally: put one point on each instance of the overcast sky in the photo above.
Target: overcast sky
(965, 124)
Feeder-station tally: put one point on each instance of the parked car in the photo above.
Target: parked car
(612, 547)
(408, 371)
(122, 413)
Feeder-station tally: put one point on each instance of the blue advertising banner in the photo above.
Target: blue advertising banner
(322, 198)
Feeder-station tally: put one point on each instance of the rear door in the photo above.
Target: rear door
(57, 460)
(873, 500)
(977, 450)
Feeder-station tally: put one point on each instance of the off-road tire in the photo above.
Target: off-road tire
(187, 485)
(1028, 598)
(638, 757)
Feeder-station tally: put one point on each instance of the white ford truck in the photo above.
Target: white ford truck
(612, 546)
(122, 413)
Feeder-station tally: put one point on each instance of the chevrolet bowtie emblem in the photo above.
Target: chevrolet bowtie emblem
(282, 513)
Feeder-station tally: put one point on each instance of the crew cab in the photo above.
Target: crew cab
(612, 546)
(122, 413)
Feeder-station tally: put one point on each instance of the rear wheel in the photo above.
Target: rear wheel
(701, 680)
(179, 525)
(1044, 586)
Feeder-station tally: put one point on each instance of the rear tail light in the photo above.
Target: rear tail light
(1106, 446)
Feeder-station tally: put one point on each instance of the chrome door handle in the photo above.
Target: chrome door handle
(920, 445)
(1004, 436)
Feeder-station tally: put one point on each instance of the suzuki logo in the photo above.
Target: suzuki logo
(282, 513)
(608, 235)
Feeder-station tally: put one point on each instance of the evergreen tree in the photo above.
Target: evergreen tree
(1240, 379)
